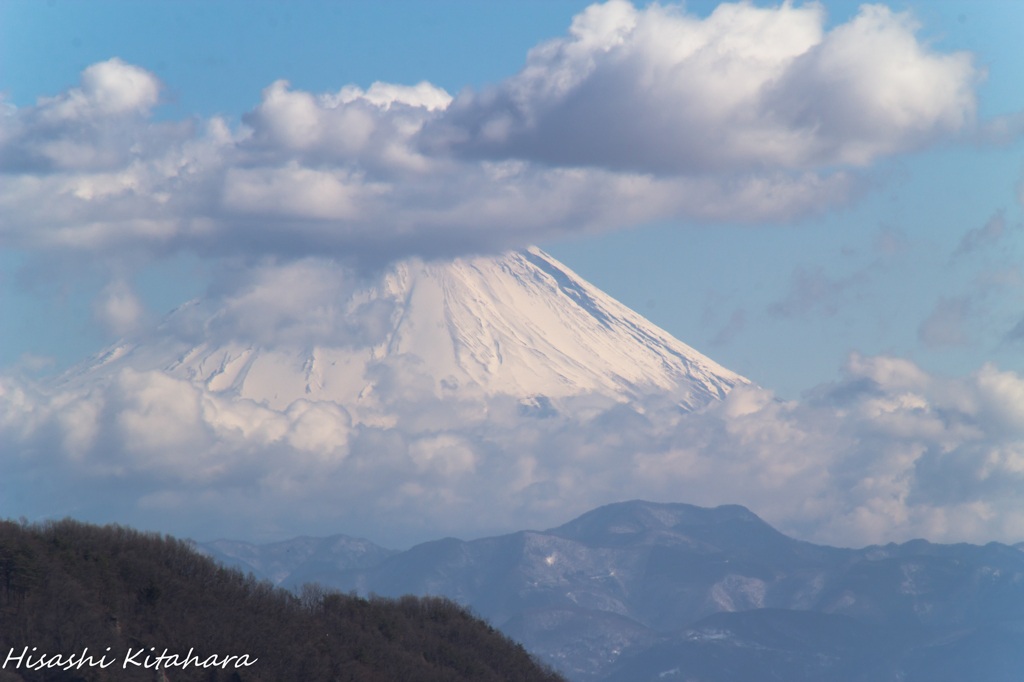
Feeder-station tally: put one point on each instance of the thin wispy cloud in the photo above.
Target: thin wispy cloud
(737, 321)
(987, 235)
(814, 291)
(949, 324)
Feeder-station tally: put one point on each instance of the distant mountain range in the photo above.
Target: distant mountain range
(642, 591)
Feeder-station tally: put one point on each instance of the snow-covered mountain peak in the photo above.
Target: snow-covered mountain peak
(520, 324)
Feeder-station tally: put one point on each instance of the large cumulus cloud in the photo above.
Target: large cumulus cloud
(747, 88)
(636, 114)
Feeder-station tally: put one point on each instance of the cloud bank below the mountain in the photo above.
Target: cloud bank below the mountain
(635, 115)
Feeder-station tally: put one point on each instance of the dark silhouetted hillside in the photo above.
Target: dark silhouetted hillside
(66, 586)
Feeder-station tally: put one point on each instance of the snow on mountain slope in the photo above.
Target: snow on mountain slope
(521, 324)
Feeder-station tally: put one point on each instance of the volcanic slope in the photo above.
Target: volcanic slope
(520, 324)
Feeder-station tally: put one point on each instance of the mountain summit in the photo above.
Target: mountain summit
(521, 324)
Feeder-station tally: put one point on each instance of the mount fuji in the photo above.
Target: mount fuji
(521, 325)
(470, 396)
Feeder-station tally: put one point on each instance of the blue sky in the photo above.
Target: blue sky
(827, 200)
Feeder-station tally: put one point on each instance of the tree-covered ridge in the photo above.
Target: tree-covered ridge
(67, 586)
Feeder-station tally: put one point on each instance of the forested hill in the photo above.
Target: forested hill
(91, 603)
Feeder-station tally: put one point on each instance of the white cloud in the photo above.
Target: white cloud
(888, 452)
(751, 114)
(448, 453)
(746, 89)
(301, 303)
(319, 427)
(119, 309)
(295, 192)
(111, 87)
(100, 124)
(157, 413)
